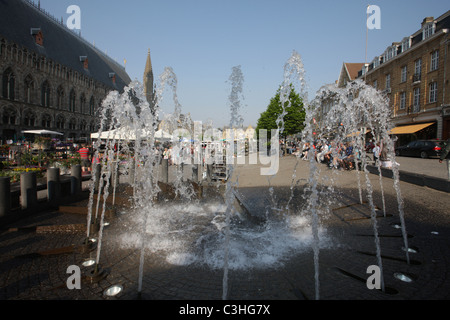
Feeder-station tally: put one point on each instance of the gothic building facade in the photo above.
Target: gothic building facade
(50, 77)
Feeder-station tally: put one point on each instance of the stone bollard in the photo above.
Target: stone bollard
(5, 196)
(97, 170)
(75, 179)
(28, 190)
(209, 169)
(53, 184)
(115, 175)
(195, 168)
(165, 170)
(131, 172)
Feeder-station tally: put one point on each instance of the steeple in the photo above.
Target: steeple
(148, 80)
(148, 65)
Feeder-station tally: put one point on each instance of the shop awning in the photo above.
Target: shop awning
(357, 133)
(411, 128)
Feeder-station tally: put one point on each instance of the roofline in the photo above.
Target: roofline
(58, 23)
(421, 43)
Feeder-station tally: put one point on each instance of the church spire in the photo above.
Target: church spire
(148, 65)
(148, 80)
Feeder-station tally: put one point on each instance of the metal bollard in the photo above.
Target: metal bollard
(5, 196)
(53, 184)
(98, 173)
(195, 168)
(115, 175)
(75, 179)
(28, 190)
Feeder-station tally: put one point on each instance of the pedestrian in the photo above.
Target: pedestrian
(376, 153)
(445, 154)
(85, 158)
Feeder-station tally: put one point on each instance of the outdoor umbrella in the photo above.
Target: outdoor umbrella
(40, 132)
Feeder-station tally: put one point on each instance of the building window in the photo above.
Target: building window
(402, 100)
(46, 121)
(375, 84)
(404, 74)
(9, 84)
(59, 98)
(434, 60)
(388, 81)
(72, 99)
(92, 106)
(82, 104)
(406, 44)
(376, 62)
(433, 92)
(73, 124)
(416, 104)
(60, 122)
(391, 53)
(29, 86)
(29, 120)
(45, 94)
(428, 30)
(9, 116)
(417, 70)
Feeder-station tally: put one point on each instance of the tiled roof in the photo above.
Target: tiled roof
(18, 17)
(353, 69)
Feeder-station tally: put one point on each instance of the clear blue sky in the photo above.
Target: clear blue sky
(202, 40)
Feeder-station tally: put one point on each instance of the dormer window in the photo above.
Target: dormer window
(85, 61)
(406, 44)
(112, 75)
(428, 30)
(376, 62)
(38, 36)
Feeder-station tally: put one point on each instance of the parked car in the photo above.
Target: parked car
(420, 148)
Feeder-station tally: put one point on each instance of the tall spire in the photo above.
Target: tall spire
(148, 65)
(148, 80)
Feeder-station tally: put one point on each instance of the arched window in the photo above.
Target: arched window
(72, 98)
(9, 83)
(60, 122)
(46, 121)
(29, 87)
(83, 125)
(92, 106)
(92, 126)
(73, 124)
(82, 103)
(45, 94)
(29, 119)
(9, 116)
(59, 97)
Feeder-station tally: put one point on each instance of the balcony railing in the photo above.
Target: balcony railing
(417, 77)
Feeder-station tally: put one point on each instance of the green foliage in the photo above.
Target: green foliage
(293, 120)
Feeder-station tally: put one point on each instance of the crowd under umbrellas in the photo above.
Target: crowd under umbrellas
(365, 109)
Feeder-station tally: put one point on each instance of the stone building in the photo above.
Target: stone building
(414, 73)
(50, 77)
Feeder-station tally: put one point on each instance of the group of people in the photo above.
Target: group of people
(342, 155)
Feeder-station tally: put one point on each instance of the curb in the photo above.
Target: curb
(439, 184)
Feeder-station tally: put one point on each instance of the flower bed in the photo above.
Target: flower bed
(15, 173)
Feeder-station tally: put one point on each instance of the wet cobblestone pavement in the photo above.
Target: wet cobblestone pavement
(36, 251)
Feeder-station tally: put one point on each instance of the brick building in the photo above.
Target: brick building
(50, 77)
(415, 74)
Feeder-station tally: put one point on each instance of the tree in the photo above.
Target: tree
(293, 119)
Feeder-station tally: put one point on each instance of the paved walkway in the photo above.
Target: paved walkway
(35, 252)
